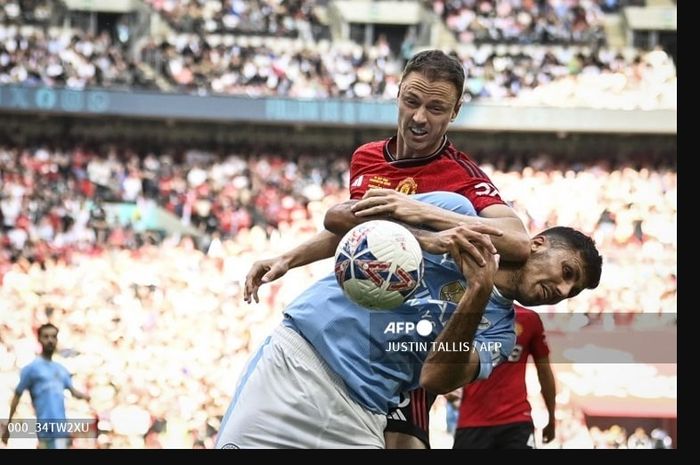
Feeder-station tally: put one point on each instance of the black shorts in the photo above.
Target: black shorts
(510, 436)
(412, 416)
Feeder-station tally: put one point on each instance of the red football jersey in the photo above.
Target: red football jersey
(502, 397)
(374, 166)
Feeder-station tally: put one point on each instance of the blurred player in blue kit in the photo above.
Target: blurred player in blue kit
(46, 381)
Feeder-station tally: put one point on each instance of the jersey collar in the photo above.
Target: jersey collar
(408, 162)
(497, 297)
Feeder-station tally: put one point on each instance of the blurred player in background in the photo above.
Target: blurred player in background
(46, 381)
(418, 159)
(495, 413)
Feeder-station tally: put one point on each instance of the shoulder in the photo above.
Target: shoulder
(527, 316)
(61, 367)
(370, 148)
(454, 151)
(464, 161)
(29, 368)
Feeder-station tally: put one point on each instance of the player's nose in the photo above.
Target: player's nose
(563, 289)
(419, 116)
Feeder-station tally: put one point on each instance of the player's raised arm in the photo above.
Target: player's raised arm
(321, 246)
(340, 219)
(445, 371)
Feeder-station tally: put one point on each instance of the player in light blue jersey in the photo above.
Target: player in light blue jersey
(46, 381)
(330, 373)
(396, 349)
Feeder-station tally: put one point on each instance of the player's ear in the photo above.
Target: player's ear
(537, 243)
(455, 111)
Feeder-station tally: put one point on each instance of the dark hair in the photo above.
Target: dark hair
(43, 327)
(569, 238)
(437, 66)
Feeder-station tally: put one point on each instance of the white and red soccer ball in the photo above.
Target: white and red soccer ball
(378, 264)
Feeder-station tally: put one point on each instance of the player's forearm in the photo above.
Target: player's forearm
(549, 388)
(321, 246)
(13, 407)
(513, 245)
(446, 370)
(78, 394)
(340, 218)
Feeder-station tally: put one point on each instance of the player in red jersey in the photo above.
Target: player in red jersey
(419, 158)
(494, 413)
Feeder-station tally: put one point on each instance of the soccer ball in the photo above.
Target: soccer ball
(378, 264)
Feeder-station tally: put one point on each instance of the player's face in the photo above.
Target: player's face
(550, 275)
(425, 110)
(48, 340)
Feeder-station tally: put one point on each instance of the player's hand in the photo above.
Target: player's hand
(476, 273)
(473, 240)
(387, 202)
(5, 434)
(263, 271)
(548, 433)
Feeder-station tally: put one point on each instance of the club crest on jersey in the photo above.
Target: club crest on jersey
(452, 292)
(408, 186)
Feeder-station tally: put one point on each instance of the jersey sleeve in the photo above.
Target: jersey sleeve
(481, 192)
(25, 380)
(358, 185)
(538, 343)
(493, 348)
(67, 379)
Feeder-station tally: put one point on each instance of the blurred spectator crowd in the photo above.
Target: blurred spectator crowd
(525, 21)
(52, 204)
(280, 18)
(26, 11)
(551, 63)
(76, 60)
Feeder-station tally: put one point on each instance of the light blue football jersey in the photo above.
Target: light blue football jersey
(379, 354)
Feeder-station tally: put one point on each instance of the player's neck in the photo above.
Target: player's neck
(47, 356)
(506, 279)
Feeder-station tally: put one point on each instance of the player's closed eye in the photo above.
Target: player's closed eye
(568, 273)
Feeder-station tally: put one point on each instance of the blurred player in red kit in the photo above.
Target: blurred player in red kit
(494, 413)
